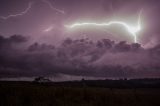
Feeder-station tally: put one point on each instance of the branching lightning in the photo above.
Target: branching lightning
(28, 9)
(18, 14)
(52, 7)
(131, 29)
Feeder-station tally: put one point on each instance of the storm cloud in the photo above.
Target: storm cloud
(80, 57)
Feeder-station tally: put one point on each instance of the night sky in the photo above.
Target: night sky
(34, 39)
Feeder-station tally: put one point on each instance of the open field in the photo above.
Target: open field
(30, 94)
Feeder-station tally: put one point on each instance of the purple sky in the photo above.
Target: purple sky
(55, 14)
(42, 16)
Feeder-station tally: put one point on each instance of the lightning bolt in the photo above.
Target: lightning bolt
(131, 29)
(28, 8)
(52, 7)
(18, 14)
(49, 29)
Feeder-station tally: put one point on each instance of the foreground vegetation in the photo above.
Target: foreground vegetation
(29, 94)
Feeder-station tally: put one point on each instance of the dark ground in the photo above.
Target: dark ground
(59, 94)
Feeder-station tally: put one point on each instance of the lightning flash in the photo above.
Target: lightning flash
(52, 7)
(28, 9)
(49, 29)
(18, 14)
(133, 30)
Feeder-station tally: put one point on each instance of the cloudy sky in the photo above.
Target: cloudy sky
(35, 41)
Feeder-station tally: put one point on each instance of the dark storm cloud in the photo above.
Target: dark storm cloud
(82, 57)
(10, 42)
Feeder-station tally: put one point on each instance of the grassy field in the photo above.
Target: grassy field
(45, 95)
